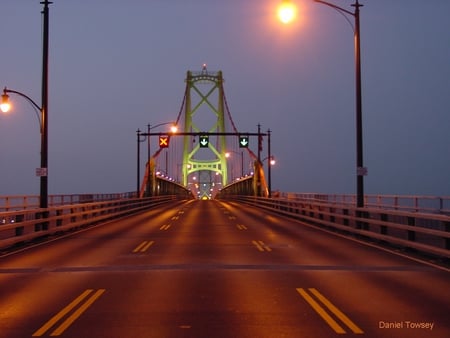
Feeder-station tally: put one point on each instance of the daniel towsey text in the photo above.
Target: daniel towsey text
(406, 324)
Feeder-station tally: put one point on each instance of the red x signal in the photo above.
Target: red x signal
(164, 141)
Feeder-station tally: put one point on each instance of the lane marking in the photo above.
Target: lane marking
(241, 227)
(231, 217)
(143, 246)
(61, 314)
(261, 246)
(174, 218)
(76, 314)
(352, 326)
(325, 315)
(165, 227)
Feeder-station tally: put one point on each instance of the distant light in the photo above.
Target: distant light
(174, 129)
(287, 12)
(5, 106)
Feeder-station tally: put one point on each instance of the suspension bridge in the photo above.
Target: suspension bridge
(207, 152)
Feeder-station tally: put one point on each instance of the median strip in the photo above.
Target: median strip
(322, 312)
(76, 313)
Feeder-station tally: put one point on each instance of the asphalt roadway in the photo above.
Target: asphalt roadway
(210, 269)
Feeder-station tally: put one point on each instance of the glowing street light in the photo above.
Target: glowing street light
(5, 106)
(272, 161)
(287, 12)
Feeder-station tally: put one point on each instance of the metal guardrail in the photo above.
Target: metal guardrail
(28, 224)
(431, 204)
(21, 202)
(425, 232)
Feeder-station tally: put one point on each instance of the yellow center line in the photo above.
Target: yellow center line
(260, 248)
(264, 246)
(140, 246)
(352, 326)
(325, 316)
(61, 314)
(77, 313)
(147, 246)
(164, 227)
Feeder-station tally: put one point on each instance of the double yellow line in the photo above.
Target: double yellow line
(331, 308)
(165, 227)
(261, 246)
(143, 247)
(241, 227)
(75, 314)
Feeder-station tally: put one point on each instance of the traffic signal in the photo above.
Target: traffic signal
(203, 141)
(243, 141)
(164, 141)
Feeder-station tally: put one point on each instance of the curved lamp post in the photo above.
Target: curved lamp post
(287, 14)
(43, 109)
(139, 139)
(42, 172)
(361, 171)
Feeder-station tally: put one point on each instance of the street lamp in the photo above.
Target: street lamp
(271, 162)
(42, 171)
(138, 166)
(147, 135)
(361, 171)
(43, 109)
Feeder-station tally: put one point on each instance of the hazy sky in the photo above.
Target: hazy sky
(116, 66)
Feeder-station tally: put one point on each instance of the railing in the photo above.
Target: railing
(428, 233)
(431, 204)
(28, 224)
(21, 202)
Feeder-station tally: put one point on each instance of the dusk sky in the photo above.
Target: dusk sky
(116, 66)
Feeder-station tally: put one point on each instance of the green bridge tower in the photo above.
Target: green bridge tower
(204, 157)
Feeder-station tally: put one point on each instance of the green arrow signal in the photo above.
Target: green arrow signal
(243, 141)
(204, 141)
